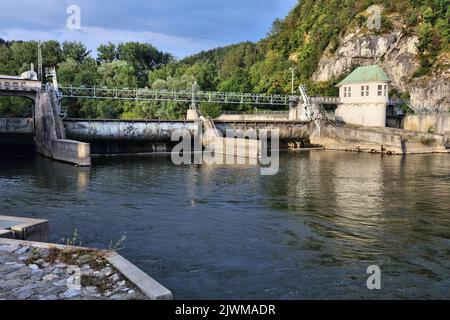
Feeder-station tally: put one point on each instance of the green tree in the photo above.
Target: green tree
(107, 53)
(117, 74)
(74, 50)
(143, 57)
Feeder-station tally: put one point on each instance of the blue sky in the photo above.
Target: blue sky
(182, 27)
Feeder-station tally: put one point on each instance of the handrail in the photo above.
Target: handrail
(145, 94)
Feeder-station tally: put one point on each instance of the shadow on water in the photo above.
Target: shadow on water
(210, 231)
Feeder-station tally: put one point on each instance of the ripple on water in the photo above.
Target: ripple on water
(311, 231)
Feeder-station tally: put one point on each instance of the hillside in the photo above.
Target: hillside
(323, 40)
(327, 39)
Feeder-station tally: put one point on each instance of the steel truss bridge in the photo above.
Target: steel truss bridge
(187, 96)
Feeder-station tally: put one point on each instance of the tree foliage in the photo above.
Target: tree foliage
(297, 41)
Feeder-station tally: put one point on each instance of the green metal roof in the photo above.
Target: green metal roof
(372, 73)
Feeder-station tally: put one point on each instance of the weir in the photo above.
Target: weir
(46, 127)
(306, 123)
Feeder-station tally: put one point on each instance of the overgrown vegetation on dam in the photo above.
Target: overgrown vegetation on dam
(313, 30)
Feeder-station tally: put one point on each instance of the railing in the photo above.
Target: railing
(398, 102)
(186, 96)
(255, 112)
(326, 100)
(18, 86)
(179, 96)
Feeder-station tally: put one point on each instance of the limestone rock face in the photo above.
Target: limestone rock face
(397, 54)
(432, 93)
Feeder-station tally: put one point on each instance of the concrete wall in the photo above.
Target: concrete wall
(363, 104)
(161, 131)
(126, 131)
(16, 125)
(439, 124)
(365, 114)
(24, 228)
(213, 139)
(394, 122)
(16, 137)
(382, 140)
(46, 137)
(70, 151)
(244, 148)
(289, 130)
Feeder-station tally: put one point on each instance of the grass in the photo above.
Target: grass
(102, 285)
(35, 256)
(96, 260)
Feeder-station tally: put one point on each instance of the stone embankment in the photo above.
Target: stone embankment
(33, 273)
(377, 140)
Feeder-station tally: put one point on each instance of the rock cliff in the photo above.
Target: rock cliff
(397, 52)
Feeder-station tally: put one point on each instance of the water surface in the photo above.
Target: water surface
(309, 232)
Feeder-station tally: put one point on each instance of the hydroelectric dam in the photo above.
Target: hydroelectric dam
(306, 123)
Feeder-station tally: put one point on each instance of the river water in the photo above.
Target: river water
(310, 232)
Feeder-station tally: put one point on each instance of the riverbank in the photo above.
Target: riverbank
(226, 232)
(40, 271)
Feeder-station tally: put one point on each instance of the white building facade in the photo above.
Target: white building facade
(364, 96)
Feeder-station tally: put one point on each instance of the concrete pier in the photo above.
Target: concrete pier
(24, 228)
(16, 125)
(376, 139)
(432, 123)
(50, 135)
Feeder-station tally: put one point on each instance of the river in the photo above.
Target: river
(226, 232)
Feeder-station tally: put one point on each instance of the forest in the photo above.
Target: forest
(296, 41)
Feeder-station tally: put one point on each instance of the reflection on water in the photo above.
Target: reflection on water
(227, 232)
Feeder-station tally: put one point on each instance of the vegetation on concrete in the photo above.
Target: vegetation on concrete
(53, 273)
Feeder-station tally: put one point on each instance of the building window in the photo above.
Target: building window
(362, 91)
(385, 91)
(380, 91)
(349, 92)
(367, 91)
(345, 92)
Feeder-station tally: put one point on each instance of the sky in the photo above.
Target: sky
(181, 27)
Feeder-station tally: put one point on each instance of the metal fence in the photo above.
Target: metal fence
(256, 112)
(188, 96)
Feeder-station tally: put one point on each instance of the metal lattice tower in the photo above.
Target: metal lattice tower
(40, 73)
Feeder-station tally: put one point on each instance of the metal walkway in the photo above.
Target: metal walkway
(186, 96)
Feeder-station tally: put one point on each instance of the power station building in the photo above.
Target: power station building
(364, 96)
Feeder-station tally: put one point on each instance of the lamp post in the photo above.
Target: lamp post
(292, 79)
(194, 85)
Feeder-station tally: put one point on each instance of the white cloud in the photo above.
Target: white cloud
(93, 36)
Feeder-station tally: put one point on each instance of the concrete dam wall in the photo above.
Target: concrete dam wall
(130, 136)
(439, 124)
(136, 136)
(16, 136)
(16, 126)
(288, 130)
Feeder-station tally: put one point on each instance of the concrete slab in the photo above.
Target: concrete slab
(7, 224)
(25, 228)
(377, 140)
(8, 234)
(151, 288)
